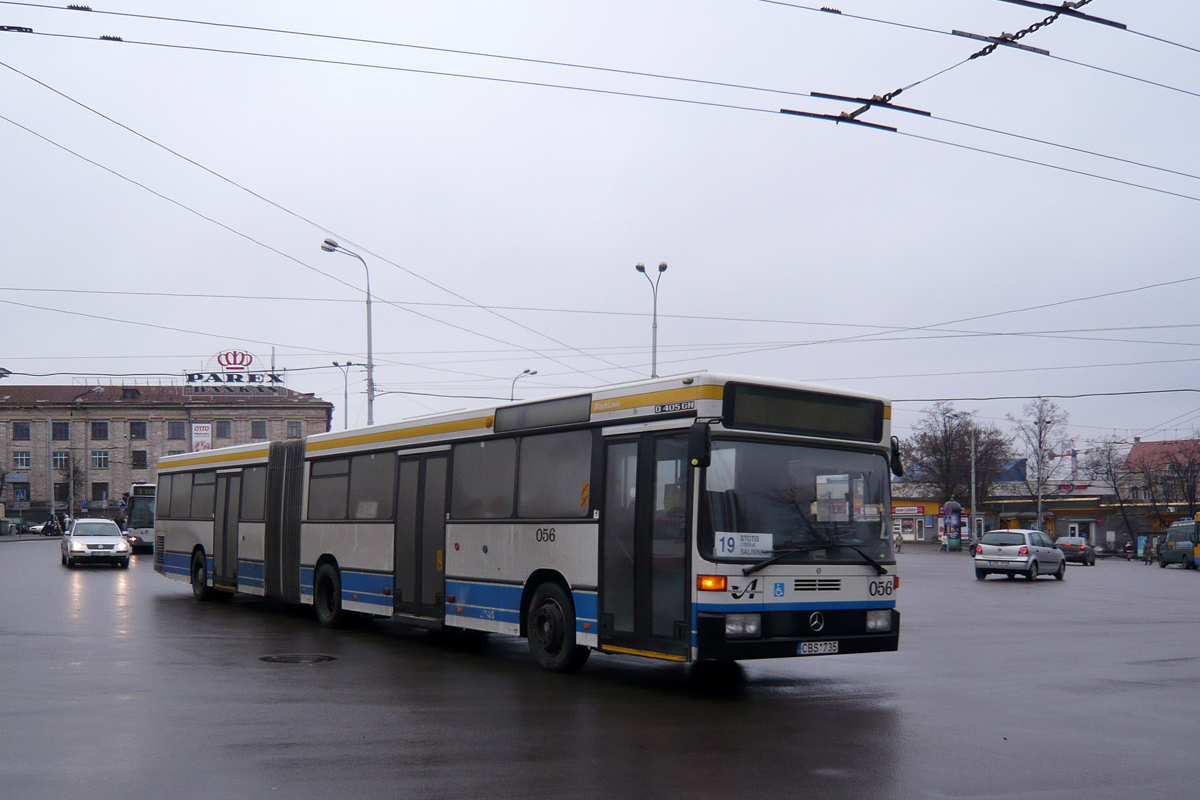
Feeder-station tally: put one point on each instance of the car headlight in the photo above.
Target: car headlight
(743, 626)
(123, 546)
(879, 620)
(78, 547)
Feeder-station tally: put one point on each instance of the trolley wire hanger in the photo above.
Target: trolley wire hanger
(852, 117)
(1069, 10)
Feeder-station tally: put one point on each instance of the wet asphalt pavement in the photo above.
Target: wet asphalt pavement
(115, 683)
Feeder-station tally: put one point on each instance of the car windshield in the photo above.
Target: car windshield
(765, 498)
(1001, 539)
(96, 529)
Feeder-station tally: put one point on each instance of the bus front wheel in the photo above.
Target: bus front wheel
(551, 629)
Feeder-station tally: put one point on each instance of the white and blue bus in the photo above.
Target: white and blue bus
(139, 515)
(690, 518)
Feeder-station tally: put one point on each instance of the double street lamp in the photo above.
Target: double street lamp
(654, 328)
(331, 246)
(345, 368)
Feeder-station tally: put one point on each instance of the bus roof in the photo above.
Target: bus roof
(696, 393)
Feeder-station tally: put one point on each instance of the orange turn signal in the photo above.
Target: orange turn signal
(710, 583)
(896, 578)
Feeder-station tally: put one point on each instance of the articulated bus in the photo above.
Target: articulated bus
(691, 518)
(139, 515)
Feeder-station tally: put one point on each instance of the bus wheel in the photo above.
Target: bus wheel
(200, 587)
(551, 628)
(327, 596)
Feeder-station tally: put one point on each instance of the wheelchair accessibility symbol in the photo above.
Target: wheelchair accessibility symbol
(779, 590)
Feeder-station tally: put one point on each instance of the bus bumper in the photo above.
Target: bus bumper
(785, 632)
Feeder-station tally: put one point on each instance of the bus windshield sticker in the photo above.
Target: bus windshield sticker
(745, 545)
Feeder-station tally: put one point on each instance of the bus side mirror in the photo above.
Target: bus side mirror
(699, 445)
(897, 467)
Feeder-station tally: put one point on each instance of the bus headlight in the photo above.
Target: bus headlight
(879, 620)
(743, 626)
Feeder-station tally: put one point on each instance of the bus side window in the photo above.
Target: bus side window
(485, 479)
(555, 475)
(163, 509)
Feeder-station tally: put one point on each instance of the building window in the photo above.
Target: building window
(21, 459)
(1135, 493)
(62, 459)
(99, 431)
(21, 430)
(100, 492)
(99, 459)
(295, 429)
(137, 459)
(258, 429)
(60, 431)
(137, 429)
(176, 429)
(129, 394)
(62, 493)
(224, 429)
(174, 452)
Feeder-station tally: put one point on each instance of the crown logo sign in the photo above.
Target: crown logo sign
(235, 360)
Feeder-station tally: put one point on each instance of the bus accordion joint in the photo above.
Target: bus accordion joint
(711, 583)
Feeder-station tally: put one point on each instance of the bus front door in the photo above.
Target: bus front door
(419, 580)
(225, 531)
(644, 547)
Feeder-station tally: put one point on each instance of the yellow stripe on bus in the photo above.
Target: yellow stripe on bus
(217, 458)
(406, 433)
(658, 398)
(608, 648)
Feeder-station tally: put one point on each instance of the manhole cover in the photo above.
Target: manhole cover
(298, 658)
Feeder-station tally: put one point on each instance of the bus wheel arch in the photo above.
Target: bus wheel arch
(327, 593)
(548, 622)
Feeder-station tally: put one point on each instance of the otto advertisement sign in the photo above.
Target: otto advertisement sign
(201, 436)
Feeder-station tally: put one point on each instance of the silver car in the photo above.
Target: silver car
(92, 541)
(1029, 553)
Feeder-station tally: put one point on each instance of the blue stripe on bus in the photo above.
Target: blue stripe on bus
(502, 602)
(368, 586)
(177, 564)
(252, 574)
(488, 601)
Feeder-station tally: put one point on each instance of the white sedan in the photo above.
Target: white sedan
(91, 541)
(1028, 553)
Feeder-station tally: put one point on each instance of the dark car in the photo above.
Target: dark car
(1077, 550)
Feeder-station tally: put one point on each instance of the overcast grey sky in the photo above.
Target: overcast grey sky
(502, 220)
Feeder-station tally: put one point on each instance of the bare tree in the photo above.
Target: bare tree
(1105, 462)
(1041, 437)
(939, 452)
(1150, 469)
(1181, 474)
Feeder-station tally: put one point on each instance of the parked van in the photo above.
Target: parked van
(1179, 546)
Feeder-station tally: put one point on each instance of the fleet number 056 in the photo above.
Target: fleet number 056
(544, 534)
(880, 588)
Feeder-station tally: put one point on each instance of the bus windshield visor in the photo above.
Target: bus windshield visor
(763, 499)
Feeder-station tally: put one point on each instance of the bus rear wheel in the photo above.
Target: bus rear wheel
(200, 588)
(327, 596)
(551, 629)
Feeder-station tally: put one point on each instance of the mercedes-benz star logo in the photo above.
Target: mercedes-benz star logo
(816, 621)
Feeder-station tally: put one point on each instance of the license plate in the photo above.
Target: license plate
(817, 648)
(997, 563)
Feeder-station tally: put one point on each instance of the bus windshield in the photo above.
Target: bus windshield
(765, 498)
(141, 512)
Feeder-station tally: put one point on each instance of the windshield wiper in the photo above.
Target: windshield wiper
(776, 555)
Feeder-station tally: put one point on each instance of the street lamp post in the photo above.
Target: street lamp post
(330, 246)
(70, 452)
(513, 393)
(654, 328)
(345, 368)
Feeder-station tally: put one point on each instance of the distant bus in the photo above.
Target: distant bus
(690, 518)
(139, 516)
